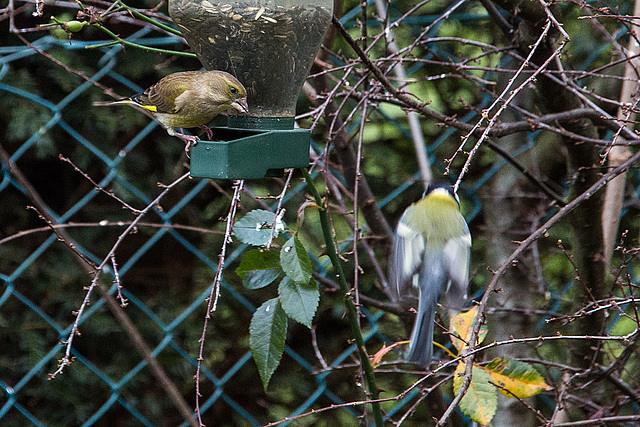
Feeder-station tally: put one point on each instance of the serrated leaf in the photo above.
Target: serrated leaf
(461, 325)
(266, 338)
(518, 378)
(255, 227)
(295, 261)
(299, 301)
(259, 268)
(481, 400)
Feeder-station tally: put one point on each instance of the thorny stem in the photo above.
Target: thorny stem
(118, 40)
(151, 21)
(137, 340)
(356, 226)
(278, 212)
(66, 360)
(103, 224)
(117, 282)
(505, 104)
(212, 301)
(348, 298)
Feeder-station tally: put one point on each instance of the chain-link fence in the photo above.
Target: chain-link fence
(167, 265)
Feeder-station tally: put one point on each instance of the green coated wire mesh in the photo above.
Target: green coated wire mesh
(54, 143)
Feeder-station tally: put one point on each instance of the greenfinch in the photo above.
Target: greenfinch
(189, 99)
(430, 253)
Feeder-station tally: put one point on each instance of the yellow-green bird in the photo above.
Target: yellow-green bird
(431, 254)
(189, 99)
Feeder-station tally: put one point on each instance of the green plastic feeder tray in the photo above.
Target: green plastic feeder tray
(241, 153)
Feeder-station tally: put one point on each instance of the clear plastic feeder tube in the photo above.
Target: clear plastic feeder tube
(268, 45)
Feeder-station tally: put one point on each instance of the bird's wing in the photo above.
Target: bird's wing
(456, 262)
(406, 257)
(161, 97)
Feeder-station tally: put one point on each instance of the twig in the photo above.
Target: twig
(598, 421)
(370, 210)
(127, 325)
(105, 223)
(523, 170)
(489, 130)
(212, 301)
(116, 280)
(365, 300)
(412, 117)
(98, 187)
(497, 18)
(331, 408)
(336, 187)
(316, 349)
(425, 393)
(621, 385)
(553, 19)
(515, 254)
(512, 395)
(67, 68)
(66, 360)
(278, 212)
(356, 231)
(505, 104)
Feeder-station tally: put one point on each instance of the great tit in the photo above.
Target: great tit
(431, 251)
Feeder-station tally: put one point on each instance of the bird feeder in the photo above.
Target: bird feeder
(269, 45)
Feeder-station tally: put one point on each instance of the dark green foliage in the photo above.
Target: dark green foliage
(299, 300)
(268, 330)
(259, 268)
(255, 228)
(168, 263)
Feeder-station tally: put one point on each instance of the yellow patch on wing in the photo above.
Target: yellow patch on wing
(149, 107)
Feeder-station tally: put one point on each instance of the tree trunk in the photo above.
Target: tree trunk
(582, 162)
(512, 211)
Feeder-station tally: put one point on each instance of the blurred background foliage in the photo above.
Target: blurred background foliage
(166, 272)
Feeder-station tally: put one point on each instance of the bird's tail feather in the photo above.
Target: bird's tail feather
(421, 345)
(125, 101)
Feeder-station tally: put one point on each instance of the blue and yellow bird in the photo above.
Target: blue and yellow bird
(430, 253)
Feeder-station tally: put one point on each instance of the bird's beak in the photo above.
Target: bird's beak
(241, 105)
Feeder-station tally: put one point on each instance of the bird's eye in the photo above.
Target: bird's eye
(234, 90)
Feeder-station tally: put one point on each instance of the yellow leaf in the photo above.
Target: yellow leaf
(480, 401)
(377, 358)
(518, 379)
(461, 326)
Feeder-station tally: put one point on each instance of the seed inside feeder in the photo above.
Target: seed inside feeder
(262, 44)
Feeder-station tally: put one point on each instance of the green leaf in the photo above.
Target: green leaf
(255, 227)
(295, 261)
(267, 333)
(259, 268)
(299, 301)
(481, 400)
(519, 379)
